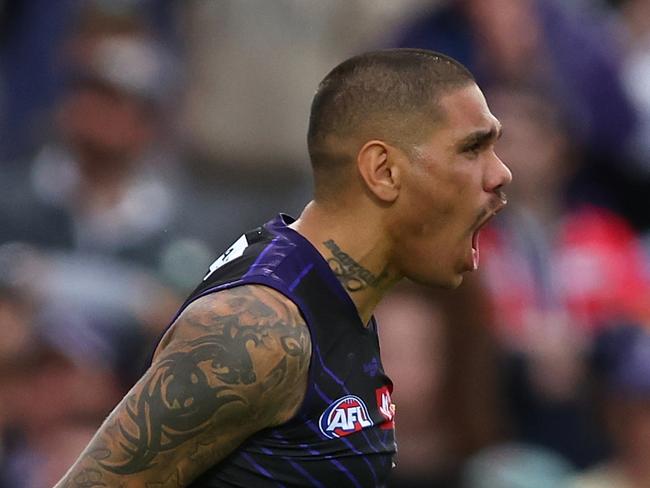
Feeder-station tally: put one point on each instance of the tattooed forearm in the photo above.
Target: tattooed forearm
(174, 481)
(87, 478)
(231, 366)
(351, 274)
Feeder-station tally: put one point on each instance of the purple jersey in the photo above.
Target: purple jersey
(343, 434)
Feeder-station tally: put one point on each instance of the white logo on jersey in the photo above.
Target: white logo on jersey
(386, 406)
(344, 417)
(234, 251)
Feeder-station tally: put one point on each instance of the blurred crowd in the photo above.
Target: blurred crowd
(138, 138)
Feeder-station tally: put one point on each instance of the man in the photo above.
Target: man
(270, 374)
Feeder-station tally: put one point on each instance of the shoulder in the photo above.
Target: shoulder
(253, 338)
(250, 309)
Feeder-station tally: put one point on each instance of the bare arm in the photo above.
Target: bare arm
(235, 362)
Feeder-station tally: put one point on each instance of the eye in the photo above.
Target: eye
(473, 150)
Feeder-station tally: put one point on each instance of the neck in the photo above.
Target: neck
(356, 251)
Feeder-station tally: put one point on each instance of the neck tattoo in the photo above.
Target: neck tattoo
(351, 274)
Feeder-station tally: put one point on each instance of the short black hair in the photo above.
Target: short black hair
(380, 94)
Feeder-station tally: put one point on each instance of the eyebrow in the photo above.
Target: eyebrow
(481, 137)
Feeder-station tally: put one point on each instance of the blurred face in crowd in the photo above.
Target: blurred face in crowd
(534, 144)
(17, 335)
(450, 187)
(104, 124)
(496, 23)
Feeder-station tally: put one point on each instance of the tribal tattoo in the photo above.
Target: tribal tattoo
(233, 359)
(351, 274)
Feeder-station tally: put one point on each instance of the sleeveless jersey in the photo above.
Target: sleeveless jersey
(343, 434)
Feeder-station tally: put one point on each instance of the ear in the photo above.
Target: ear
(378, 170)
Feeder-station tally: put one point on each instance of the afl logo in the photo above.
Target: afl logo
(344, 416)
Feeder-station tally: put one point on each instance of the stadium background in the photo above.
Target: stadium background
(139, 138)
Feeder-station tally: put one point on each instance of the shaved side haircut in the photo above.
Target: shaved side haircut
(390, 95)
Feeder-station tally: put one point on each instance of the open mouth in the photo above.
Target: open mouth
(486, 217)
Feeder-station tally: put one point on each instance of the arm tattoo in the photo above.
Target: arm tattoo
(215, 362)
(351, 274)
(87, 478)
(178, 401)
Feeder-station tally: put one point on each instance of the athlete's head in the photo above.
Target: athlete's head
(408, 133)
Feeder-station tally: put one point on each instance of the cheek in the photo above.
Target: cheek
(438, 198)
(437, 204)
(431, 222)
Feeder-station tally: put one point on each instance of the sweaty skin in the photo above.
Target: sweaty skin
(234, 362)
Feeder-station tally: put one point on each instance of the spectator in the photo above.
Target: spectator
(556, 273)
(72, 346)
(108, 182)
(559, 49)
(414, 357)
(447, 391)
(43, 389)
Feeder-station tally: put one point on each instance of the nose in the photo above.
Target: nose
(498, 176)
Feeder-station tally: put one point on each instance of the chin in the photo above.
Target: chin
(453, 283)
